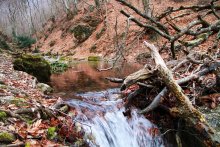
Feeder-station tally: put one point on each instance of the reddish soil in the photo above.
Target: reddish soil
(65, 42)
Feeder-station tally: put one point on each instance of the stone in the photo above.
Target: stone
(7, 137)
(6, 99)
(46, 89)
(34, 65)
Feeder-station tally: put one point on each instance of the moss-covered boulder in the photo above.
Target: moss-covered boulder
(34, 65)
(7, 137)
(82, 32)
(46, 89)
(3, 115)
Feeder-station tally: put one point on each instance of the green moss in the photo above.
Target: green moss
(7, 137)
(58, 67)
(19, 102)
(34, 65)
(3, 115)
(3, 86)
(4, 45)
(24, 41)
(94, 58)
(27, 144)
(82, 32)
(51, 132)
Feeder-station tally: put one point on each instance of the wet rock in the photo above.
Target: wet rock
(82, 32)
(46, 89)
(34, 65)
(213, 117)
(80, 142)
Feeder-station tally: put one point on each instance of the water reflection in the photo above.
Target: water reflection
(84, 77)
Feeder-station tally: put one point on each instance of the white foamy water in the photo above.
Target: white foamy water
(108, 125)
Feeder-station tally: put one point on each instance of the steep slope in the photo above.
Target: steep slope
(107, 29)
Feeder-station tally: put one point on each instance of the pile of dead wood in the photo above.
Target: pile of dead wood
(192, 69)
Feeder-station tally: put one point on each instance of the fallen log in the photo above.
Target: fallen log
(184, 108)
(157, 99)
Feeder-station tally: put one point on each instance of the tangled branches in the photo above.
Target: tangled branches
(199, 29)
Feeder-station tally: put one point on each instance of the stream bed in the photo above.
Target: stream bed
(99, 107)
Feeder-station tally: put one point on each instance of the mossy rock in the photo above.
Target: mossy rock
(3, 115)
(46, 89)
(19, 102)
(34, 65)
(94, 58)
(7, 137)
(82, 32)
(80, 142)
(51, 132)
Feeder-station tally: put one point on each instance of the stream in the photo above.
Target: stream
(99, 107)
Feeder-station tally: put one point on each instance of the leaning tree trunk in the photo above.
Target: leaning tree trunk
(184, 108)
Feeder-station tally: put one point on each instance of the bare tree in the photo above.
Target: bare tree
(147, 10)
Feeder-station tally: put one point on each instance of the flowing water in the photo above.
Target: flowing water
(108, 125)
(100, 111)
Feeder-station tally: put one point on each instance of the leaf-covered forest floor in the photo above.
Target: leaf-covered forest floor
(28, 116)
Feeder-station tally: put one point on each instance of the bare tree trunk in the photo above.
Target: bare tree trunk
(75, 9)
(147, 10)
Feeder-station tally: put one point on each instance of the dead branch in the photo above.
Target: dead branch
(157, 30)
(158, 24)
(194, 8)
(115, 80)
(184, 107)
(157, 99)
(161, 29)
(12, 114)
(142, 74)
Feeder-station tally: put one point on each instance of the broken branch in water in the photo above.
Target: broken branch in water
(184, 108)
(157, 99)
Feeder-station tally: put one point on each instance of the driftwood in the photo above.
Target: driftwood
(184, 108)
(157, 99)
(142, 74)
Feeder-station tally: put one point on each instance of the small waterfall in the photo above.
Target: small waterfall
(106, 122)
